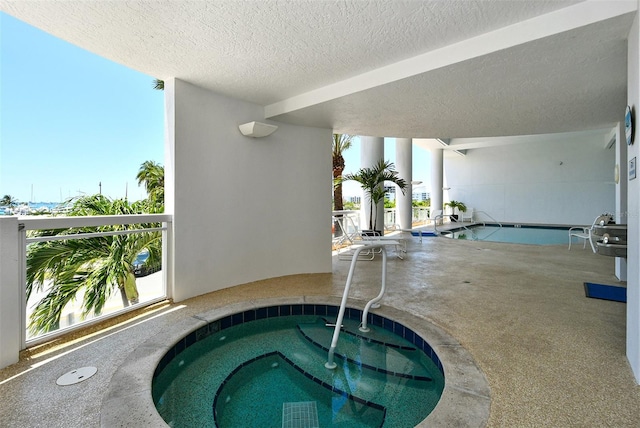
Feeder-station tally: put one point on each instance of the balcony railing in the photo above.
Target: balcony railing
(420, 215)
(152, 288)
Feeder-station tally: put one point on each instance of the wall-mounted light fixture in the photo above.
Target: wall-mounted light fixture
(257, 129)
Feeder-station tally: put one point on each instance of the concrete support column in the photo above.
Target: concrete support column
(371, 151)
(404, 165)
(168, 242)
(10, 289)
(437, 171)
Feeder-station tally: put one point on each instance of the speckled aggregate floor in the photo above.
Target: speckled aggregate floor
(551, 356)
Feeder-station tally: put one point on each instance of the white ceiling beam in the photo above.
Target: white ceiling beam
(446, 144)
(463, 144)
(569, 18)
(610, 138)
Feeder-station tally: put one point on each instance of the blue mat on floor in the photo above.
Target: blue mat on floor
(423, 233)
(605, 292)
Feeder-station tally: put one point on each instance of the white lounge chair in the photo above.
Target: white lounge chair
(586, 233)
(467, 215)
(433, 217)
(353, 238)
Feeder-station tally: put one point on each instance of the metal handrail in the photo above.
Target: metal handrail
(493, 219)
(442, 216)
(93, 234)
(366, 245)
(435, 221)
(66, 222)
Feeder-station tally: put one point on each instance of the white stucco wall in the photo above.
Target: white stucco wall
(564, 180)
(10, 298)
(633, 217)
(244, 209)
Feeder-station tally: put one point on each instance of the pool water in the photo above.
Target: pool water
(533, 235)
(250, 374)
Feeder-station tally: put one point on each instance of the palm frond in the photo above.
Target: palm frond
(158, 84)
(96, 265)
(47, 312)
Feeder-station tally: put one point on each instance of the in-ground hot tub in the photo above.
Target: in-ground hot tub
(466, 387)
(263, 366)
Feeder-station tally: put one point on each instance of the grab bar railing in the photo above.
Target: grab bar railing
(442, 216)
(435, 221)
(366, 245)
(491, 218)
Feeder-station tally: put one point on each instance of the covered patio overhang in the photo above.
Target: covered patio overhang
(403, 69)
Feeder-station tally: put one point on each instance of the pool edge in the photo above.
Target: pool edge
(465, 387)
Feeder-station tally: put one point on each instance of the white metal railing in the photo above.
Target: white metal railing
(389, 217)
(418, 215)
(462, 226)
(491, 218)
(441, 217)
(421, 214)
(366, 246)
(26, 224)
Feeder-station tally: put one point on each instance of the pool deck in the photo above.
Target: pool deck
(551, 356)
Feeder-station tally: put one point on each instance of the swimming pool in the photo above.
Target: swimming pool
(515, 234)
(255, 368)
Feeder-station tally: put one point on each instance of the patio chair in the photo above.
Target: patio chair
(467, 215)
(349, 238)
(586, 232)
(347, 231)
(433, 217)
(352, 238)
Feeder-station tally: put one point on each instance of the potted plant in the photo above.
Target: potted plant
(460, 206)
(372, 181)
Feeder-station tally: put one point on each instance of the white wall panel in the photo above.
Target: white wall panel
(245, 209)
(10, 291)
(560, 181)
(633, 214)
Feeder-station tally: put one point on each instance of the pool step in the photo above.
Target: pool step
(379, 353)
(301, 414)
(288, 380)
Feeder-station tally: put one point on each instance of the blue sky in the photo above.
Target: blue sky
(70, 120)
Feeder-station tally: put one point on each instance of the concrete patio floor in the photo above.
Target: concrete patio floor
(551, 356)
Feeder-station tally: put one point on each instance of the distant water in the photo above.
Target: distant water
(48, 205)
(31, 207)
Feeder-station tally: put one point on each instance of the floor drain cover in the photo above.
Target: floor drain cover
(76, 376)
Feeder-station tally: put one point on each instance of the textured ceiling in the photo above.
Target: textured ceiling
(276, 52)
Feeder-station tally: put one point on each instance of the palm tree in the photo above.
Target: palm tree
(151, 174)
(8, 201)
(341, 142)
(460, 206)
(98, 266)
(158, 84)
(372, 181)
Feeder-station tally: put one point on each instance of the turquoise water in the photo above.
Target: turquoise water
(30, 208)
(241, 377)
(515, 235)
